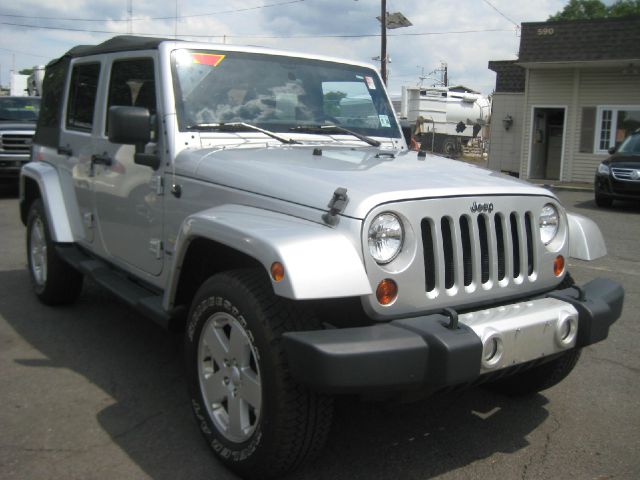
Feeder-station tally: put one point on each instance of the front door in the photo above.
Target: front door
(128, 196)
(547, 133)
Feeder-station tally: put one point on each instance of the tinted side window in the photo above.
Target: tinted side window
(82, 96)
(132, 84)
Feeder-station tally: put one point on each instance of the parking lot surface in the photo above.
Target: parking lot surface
(94, 391)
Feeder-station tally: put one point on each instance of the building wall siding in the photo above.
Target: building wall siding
(505, 145)
(600, 87)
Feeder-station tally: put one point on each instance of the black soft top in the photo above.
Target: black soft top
(50, 117)
(121, 43)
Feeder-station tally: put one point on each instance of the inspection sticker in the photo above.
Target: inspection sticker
(211, 59)
(370, 83)
(384, 120)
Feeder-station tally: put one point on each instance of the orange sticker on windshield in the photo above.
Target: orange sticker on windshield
(210, 59)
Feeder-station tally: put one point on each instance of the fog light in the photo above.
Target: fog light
(492, 351)
(277, 271)
(566, 330)
(558, 265)
(387, 291)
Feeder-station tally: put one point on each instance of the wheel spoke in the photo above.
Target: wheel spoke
(239, 348)
(238, 416)
(214, 388)
(250, 389)
(216, 342)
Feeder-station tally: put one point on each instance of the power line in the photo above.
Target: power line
(500, 13)
(259, 36)
(30, 17)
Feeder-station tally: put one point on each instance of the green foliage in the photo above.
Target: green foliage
(26, 71)
(592, 9)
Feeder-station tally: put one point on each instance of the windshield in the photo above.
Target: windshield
(278, 93)
(630, 145)
(19, 109)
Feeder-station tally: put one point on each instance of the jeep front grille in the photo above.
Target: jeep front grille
(482, 249)
(16, 142)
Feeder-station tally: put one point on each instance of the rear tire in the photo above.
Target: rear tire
(54, 281)
(258, 420)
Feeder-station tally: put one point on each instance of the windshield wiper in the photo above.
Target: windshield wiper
(333, 129)
(239, 126)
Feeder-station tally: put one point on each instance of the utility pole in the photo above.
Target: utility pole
(445, 75)
(130, 17)
(383, 41)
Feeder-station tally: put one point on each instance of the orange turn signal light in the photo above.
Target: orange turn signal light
(558, 265)
(387, 291)
(277, 271)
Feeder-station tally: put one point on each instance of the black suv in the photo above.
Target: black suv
(18, 116)
(618, 177)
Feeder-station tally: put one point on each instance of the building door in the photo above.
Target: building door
(547, 135)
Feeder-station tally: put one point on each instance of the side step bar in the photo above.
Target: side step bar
(144, 300)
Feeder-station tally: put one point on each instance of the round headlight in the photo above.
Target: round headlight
(385, 237)
(548, 223)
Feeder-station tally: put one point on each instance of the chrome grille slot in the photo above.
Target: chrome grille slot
(447, 248)
(515, 242)
(500, 246)
(624, 174)
(16, 142)
(528, 221)
(486, 250)
(429, 256)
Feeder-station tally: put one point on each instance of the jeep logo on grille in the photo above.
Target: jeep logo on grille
(481, 207)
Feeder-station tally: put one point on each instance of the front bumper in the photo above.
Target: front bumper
(607, 186)
(424, 352)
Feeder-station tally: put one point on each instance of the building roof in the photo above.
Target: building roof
(580, 40)
(510, 77)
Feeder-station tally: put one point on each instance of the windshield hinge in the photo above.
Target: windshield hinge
(336, 206)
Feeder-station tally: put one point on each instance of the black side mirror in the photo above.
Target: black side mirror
(133, 126)
(612, 150)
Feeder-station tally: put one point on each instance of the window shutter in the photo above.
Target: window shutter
(588, 130)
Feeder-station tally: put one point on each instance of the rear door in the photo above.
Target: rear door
(77, 137)
(128, 197)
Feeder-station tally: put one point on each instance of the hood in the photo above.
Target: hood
(297, 174)
(625, 160)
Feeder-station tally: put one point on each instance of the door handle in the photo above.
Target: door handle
(103, 159)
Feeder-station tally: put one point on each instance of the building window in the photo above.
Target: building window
(615, 124)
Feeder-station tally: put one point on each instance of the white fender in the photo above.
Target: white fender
(51, 192)
(585, 238)
(319, 262)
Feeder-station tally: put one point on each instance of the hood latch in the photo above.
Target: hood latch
(336, 206)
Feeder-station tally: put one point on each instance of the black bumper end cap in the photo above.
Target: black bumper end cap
(597, 311)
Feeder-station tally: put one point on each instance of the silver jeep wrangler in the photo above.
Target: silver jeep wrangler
(267, 204)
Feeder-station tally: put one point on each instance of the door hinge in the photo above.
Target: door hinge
(158, 185)
(87, 219)
(155, 247)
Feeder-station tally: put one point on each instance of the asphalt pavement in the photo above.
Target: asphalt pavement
(94, 391)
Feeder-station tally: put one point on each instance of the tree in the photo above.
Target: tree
(26, 71)
(592, 9)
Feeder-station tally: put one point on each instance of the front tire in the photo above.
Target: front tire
(603, 201)
(257, 419)
(54, 281)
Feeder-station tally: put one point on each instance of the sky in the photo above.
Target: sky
(465, 34)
